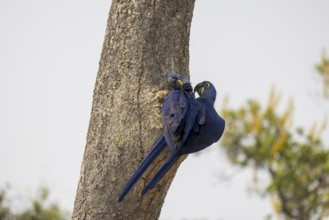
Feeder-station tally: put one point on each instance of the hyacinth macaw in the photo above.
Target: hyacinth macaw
(189, 125)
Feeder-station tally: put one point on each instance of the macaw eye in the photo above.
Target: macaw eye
(208, 85)
(178, 76)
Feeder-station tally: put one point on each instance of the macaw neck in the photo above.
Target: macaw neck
(210, 100)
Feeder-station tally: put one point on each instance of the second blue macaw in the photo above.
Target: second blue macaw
(189, 125)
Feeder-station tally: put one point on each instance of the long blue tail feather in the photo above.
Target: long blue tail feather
(170, 161)
(156, 149)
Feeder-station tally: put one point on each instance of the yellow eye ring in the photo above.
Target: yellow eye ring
(208, 85)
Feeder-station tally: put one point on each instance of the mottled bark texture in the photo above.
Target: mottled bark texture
(144, 41)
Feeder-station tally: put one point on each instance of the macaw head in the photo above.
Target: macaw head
(178, 81)
(206, 90)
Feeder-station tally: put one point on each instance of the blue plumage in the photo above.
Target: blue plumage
(212, 128)
(189, 125)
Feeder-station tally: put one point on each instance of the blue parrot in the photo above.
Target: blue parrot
(189, 125)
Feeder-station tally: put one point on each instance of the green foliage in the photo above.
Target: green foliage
(323, 70)
(296, 161)
(40, 208)
(5, 212)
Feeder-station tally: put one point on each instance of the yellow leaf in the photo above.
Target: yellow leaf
(279, 143)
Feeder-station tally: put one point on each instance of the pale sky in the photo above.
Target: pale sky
(49, 53)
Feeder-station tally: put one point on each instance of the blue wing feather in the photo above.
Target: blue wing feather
(204, 135)
(174, 110)
(156, 149)
(191, 118)
(170, 161)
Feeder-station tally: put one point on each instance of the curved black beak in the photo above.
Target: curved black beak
(175, 83)
(199, 88)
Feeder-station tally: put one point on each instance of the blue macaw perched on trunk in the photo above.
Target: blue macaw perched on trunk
(189, 125)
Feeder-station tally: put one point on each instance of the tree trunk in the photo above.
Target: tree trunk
(144, 41)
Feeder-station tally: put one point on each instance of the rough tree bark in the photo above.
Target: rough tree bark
(144, 41)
